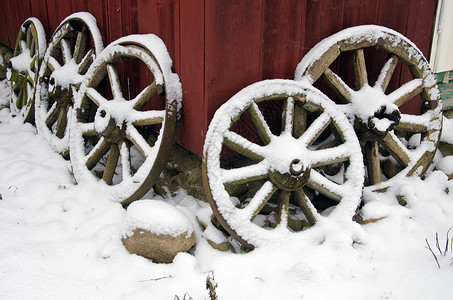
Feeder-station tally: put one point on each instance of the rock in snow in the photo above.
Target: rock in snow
(156, 230)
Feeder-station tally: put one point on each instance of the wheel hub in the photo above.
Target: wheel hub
(295, 178)
(375, 115)
(107, 126)
(62, 95)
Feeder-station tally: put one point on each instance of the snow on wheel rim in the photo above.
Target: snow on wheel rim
(408, 141)
(289, 164)
(23, 68)
(123, 132)
(73, 46)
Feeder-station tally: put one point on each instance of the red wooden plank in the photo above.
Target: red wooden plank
(6, 29)
(359, 13)
(421, 34)
(14, 21)
(146, 23)
(282, 37)
(57, 11)
(192, 56)
(233, 48)
(114, 20)
(39, 10)
(129, 17)
(323, 20)
(147, 16)
(98, 9)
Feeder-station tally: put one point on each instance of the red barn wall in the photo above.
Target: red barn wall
(219, 47)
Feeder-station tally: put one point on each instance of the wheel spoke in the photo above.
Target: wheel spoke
(34, 63)
(87, 129)
(66, 51)
(387, 70)
(260, 124)
(396, 149)
(101, 148)
(144, 96)
(288, 115)
(259, 201)
(95, 96)
(20, 98)
(114, 81)
(32, 47)
(325, 186)
(86, 62)
(110, 166)
(125, 160)
(300, 120)
(53, 64)
(80, 45)
(243, 146)
(150, 117)
(324, 157)
(305, 205)
(283, 208)
(373, 162)
(360, 73)
(52, 115)
(412, 123)
(245, 174)
(341, 89)
(406, 92)
(137, 139)
(61, 123)
(28, 37)
(315, 130)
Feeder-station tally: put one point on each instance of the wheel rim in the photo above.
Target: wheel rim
(135, 143)
(286, 177)
(73, 47)
(394, 144)
(23, 68)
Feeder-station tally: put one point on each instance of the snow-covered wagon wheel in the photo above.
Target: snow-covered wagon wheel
(272, 180)
(74, 45)
(118, 141)
(395, 140)
(23, 68)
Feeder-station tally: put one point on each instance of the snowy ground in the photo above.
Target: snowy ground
(62, 241)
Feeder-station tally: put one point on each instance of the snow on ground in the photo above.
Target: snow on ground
(60, 240)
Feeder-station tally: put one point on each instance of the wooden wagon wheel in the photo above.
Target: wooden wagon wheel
(122, 145)
(74, 45)
(394, 144)
(280, 183)
(24, 66)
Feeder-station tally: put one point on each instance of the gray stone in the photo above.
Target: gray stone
(158, 248)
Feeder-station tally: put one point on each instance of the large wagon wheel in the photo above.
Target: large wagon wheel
(74, 45)
(122, 145)
(394, 144)
(283, 174)
(24, 66)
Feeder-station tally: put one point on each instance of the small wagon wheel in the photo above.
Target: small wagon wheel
(122, 145)
(24, 66)
(394, 144)
(74, 45)
(282, 174)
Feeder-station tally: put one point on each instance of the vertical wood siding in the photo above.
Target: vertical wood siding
(219, 47)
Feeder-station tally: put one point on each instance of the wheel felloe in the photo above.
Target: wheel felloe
(386, 129)
(278, 175)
